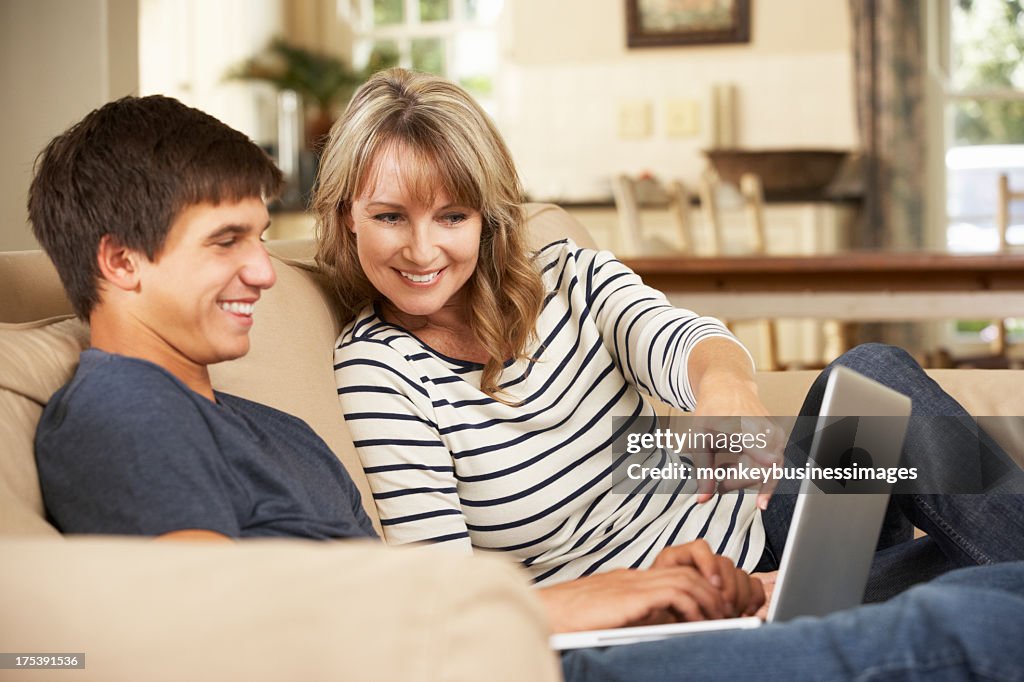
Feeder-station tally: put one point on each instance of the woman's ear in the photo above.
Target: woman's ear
(119, 265)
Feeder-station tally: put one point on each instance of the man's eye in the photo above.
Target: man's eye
(388, 218)
(227, 242)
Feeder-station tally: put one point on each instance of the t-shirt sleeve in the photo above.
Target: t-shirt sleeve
(128, 457)
(410, 470)
(649, 337)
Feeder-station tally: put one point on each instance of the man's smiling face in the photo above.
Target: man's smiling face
(196, 298)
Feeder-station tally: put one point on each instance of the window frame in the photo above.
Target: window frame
(941, 93)
(412, 28)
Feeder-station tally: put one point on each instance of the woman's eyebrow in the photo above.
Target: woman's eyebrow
(386, 204)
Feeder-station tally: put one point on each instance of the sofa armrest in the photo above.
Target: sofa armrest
(270, 610)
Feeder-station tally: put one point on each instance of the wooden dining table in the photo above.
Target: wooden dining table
(853, 286)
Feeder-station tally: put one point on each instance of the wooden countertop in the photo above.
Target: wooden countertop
(854, 271)
(851, 286)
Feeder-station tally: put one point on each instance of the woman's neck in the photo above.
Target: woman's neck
(448, 331)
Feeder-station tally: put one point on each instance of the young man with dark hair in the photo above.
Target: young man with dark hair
(153, 214)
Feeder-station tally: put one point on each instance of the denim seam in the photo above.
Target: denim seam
(964, 544)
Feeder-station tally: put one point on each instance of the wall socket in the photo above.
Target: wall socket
(682, 118)
(635, 119)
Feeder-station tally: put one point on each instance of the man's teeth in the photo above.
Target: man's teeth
(420, 278)
(236, 307)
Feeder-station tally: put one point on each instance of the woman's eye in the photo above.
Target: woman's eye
(453, 218)
(388, 218)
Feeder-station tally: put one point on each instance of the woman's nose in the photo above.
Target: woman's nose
(421, 248)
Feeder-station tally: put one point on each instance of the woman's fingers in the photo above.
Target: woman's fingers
(740, 593)
(686, 593)
(729, 587)
(758, 597)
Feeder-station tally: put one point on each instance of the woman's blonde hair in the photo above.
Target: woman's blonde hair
(450, 145)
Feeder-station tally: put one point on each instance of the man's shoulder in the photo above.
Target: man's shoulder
(109, 389)
(103, 372)
(259, 412)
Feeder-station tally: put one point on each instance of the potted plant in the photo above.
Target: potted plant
(324, 82)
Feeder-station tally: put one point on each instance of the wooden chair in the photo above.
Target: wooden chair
(713, 194)
(1006, 197)
(631, 238)
(999, 346)
(751, 195)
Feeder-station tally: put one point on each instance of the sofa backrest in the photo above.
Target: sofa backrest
(36, 358)
(289, 366)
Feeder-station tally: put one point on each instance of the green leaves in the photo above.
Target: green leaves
(321, 79)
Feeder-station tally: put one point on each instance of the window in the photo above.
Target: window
(985, 119)
(456, 39)
(978, 66)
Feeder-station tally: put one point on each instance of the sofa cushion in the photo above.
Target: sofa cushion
(546, 223)
(982, 392)
(270, 610)
(36, 358)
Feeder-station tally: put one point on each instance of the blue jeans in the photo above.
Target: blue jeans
(962, 530)
(966, 624)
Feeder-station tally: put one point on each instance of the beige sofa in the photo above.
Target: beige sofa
(270, 609)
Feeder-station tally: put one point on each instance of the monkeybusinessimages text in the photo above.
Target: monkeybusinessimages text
(712, 442)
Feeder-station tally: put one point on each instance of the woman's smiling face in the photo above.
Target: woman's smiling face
(417, 252)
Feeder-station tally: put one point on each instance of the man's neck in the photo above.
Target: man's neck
(115, 334)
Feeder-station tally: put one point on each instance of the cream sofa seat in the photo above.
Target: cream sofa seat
(272, 609)
(267, 610)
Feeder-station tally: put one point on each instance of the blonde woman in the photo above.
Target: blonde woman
(497, 371)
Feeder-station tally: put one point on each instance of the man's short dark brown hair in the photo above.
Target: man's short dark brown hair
(127, 170)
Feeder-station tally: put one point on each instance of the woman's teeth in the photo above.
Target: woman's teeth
(420, 278)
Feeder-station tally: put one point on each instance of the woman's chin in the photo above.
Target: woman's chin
(409, 311)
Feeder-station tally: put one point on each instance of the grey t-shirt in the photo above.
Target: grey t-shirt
(127, 448)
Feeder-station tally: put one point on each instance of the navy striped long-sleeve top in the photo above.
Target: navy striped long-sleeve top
(449, 464)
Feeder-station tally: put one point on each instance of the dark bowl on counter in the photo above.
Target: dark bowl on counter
(781, 170)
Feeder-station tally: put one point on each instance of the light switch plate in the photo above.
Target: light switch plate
(635, 119)
(682, 118)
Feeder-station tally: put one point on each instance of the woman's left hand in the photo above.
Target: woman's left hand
(726, 390)
(742, 593)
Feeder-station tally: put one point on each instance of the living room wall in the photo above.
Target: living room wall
(568, 72)
(58, 61)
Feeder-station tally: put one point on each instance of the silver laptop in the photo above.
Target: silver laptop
(832, 537)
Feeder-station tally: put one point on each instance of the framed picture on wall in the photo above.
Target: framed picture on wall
(656, 23)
